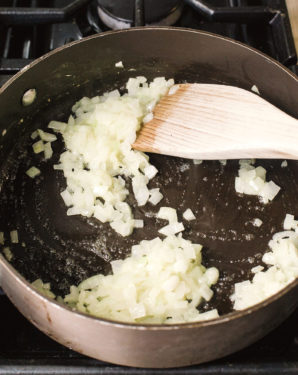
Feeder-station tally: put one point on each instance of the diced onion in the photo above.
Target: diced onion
(257, 269)
(251, 181)
(167, 213)
(188, 215)
(282, 261)
(290, 222)
(34, 135)
(43, 288)
(150, 171)
(67, 197)
(257, 222)
(171, 229)
(155, 196)
(140, 189)
(197, 161)
(46, 137)
(138, 223)
(57, 126)
(162, 282)
(48, 152)
(14, 237)
(255, 89)
(29, 97)
(98, 152)
(243, 162)
(119, 64)
(33, 172)
(38, 147)
(7, 253)
(284, 164)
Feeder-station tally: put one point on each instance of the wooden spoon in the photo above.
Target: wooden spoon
(206, 121)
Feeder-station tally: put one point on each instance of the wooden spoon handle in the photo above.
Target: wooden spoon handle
(205, 121)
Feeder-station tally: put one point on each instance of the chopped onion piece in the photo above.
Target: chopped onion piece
(29, 97)
(269, 191)
(284, 164)
(46, 137)
(255, 89)
(282, 261)
(48, 152)
(252, 181)
(43, 288)
(14, 236)
(7, 253)
(257, 269)
(123, 228)
(119, 64)
(188, 215)
(78, 211)
(243, 162)
(164, 284)
(155, 196)
(34, 135)
(67, 197)
(150, 171)
(257, 222)
(197, 161)
(98, 152)
(138, 223)
(290, 222)
(38, 147)
(140, 190)
(33, 172)
(168, 213)
(171, 229)
(57, 126)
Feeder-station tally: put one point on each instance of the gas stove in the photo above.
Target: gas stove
(31, 28)
(27, 31)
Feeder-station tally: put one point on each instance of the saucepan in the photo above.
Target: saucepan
(65, 250)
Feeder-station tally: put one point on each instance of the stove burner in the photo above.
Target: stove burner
(117, 14)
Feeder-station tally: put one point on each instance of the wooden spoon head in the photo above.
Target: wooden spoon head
(206, 121)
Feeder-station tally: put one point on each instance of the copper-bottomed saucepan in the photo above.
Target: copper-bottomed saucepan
(65, 250)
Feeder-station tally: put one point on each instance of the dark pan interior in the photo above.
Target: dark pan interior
(65, 250)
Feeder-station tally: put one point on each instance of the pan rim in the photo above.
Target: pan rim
(146, 29)
(153, 327)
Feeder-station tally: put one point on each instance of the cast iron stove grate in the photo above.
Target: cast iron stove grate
(27, 31)
(30, 28)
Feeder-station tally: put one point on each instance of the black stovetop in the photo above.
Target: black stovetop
(24, 349)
